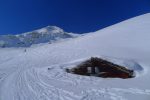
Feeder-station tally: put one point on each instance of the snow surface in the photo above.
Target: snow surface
(39, 72)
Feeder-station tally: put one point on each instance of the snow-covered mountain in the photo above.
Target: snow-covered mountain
(47, 34)
(38, 73)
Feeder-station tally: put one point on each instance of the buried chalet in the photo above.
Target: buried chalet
(101, 68)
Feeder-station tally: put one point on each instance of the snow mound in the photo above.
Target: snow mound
(130, 64)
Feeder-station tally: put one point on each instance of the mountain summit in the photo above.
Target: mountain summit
(47, 34)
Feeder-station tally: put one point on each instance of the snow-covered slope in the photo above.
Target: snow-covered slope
(25, 75)
(47, 34)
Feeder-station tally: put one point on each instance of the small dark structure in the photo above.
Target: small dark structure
(101, 68)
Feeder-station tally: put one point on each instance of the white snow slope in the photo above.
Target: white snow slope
(25, 75)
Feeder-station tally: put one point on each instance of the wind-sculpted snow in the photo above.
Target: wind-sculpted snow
(38, 72)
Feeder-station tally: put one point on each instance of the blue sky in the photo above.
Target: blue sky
(79, 16)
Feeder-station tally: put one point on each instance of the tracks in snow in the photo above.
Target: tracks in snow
(55, 84)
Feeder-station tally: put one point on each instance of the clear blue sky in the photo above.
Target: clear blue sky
(79, 16)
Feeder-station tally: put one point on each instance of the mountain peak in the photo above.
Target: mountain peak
(50, 29)
(47, 34)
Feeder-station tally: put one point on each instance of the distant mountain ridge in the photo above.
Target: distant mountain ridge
(48, 34)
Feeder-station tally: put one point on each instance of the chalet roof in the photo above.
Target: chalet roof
(101, 68)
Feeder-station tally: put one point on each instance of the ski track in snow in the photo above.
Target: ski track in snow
(55, 84)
